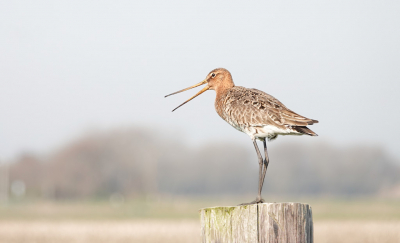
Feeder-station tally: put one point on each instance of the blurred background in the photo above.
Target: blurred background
(88, 143)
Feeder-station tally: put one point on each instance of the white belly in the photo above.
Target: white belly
(268, 131)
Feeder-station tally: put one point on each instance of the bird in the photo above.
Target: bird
(251, 111)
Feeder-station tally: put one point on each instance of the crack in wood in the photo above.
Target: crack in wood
(261, 223)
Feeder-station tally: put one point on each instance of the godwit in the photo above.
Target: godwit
(253, 112)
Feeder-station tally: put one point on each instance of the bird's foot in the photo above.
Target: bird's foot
(258, 200)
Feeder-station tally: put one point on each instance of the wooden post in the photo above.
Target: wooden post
(258, 223)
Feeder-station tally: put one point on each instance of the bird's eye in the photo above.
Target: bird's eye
(213, 75)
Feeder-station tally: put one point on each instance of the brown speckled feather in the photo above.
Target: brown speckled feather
(243, 107)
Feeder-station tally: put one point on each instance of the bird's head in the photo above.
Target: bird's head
(218, 79)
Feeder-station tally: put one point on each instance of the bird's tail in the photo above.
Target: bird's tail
(304, 130)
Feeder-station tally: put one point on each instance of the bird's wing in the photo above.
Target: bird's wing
(256, 108)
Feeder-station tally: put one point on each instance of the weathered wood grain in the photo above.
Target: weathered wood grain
(267, 222)
(285, 222)
(229, 224)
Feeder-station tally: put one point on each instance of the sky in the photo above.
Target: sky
(68, 67)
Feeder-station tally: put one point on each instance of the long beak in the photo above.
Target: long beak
(194, 96)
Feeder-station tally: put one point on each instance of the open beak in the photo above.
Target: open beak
(194, 96)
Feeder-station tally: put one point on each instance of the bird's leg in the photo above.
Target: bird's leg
(266, 162)
(260, 174)
(260, 171)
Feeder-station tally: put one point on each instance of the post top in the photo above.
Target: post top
(257, 204)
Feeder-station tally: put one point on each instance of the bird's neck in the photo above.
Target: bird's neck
(220, 99)
(221, 91)
(224, 86)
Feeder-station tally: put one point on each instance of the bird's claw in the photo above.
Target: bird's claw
(257, 201)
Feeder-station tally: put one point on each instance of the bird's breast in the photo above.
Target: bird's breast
(226, 110)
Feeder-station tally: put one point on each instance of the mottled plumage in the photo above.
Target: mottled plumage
(253, 112)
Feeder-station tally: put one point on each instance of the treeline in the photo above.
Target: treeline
(137, 161)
